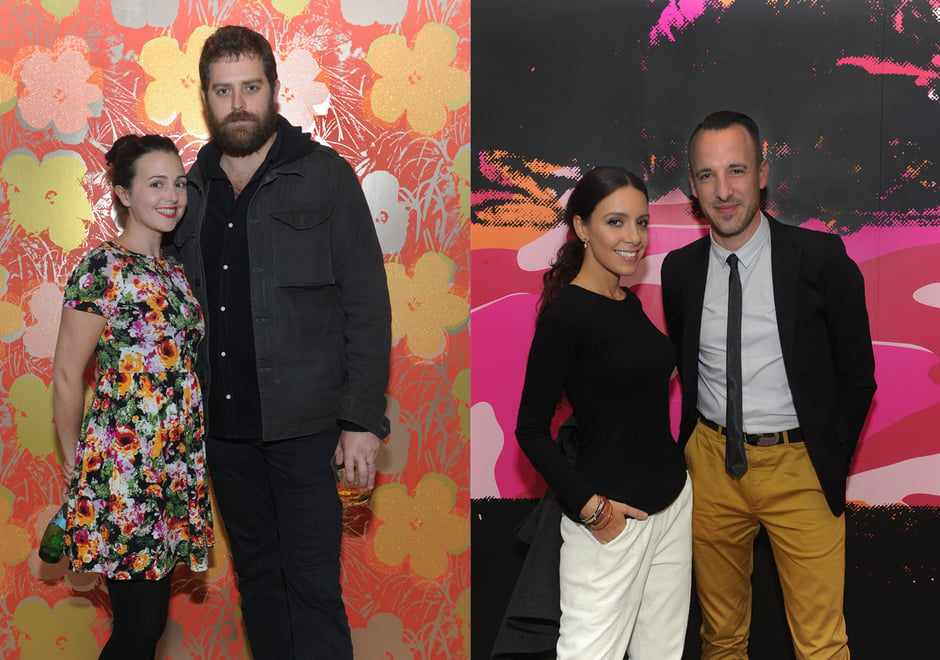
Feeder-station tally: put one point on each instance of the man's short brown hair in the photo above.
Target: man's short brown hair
(232, 42)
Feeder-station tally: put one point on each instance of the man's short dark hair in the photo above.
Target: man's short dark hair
(723, 119)
(231, 42)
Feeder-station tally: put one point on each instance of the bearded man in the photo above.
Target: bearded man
(281, 251)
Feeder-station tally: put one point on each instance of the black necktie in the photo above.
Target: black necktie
(735, 458)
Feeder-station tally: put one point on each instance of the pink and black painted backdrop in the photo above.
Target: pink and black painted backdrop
(846, 95)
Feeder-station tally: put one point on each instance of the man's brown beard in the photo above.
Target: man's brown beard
(244, 140)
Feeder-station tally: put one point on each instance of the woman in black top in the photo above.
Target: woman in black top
(625, 561)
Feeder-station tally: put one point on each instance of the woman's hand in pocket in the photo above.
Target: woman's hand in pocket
(613, 529)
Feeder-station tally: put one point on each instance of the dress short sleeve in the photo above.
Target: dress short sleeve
(92, 286)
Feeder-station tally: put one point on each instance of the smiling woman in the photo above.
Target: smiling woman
(625, 494)
(130, 515)
(149, 190)
(154, 203)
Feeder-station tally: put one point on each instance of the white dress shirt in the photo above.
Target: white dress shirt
(768, 404)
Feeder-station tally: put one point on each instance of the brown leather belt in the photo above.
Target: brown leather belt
(760, 439)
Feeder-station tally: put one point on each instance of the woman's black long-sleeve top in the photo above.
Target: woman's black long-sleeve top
(614, 366)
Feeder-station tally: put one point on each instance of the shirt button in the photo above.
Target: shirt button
(222, 308)
(225, 267)
(230, 225)
(222, 353)
(228, 396)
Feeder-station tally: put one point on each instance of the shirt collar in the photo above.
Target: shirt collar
(747, 253)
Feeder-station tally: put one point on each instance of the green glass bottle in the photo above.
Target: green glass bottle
(52, 546)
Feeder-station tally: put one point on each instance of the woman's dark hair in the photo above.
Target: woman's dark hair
(233, 42)
(122, 162)
(587, 194)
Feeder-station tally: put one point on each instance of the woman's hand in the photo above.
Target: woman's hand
(612, 529)
(68, 470)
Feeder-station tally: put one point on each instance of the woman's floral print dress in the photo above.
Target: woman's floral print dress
(139, 500)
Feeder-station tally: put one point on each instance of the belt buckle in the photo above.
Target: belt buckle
(767, 439)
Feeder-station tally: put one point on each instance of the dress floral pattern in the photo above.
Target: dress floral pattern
(139, 502)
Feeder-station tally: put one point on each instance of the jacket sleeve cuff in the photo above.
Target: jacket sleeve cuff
(349, 426)
(367, 418)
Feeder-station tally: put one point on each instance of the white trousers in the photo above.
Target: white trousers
(630, 594)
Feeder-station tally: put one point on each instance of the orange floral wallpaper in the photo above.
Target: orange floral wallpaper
(384, 82)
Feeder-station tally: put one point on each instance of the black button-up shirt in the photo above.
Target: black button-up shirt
(233, 400)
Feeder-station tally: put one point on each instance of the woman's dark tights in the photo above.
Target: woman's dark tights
(139, 610)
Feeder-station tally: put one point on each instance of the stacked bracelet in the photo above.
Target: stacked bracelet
(604, 519)
(602, 515)
(590, 520)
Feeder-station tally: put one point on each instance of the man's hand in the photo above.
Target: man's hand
(358, 451)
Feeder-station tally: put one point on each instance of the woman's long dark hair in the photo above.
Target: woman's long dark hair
(587, 194)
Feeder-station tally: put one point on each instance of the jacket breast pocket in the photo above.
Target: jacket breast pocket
(302, 254)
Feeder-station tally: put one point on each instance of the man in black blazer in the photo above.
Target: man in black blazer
(802, 387)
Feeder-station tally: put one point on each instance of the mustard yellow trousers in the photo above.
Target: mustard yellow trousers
(780, 491)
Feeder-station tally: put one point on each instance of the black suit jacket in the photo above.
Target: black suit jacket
(819, 296)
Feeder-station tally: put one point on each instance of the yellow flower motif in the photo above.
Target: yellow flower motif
(422, 308)
(290, 8)
(63, 631)
(421, 528)
(32, 403)
(48, 195)
(420, 82)
(14, 541)
(463, 613)
(174, 89)
(381, 638)
(7, 87)
(12, 320)
(461, 390)
(60, 8)
(462, 172)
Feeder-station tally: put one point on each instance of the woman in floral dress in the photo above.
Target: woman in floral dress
(138, 501)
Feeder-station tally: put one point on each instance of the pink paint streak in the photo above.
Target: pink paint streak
(887, 67)
(491, 172)
(679, 14)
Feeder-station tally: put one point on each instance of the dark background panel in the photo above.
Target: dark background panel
(580, 82)
(892, 582)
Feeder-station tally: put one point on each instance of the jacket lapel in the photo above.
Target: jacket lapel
(694, 298)
(695, 288)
